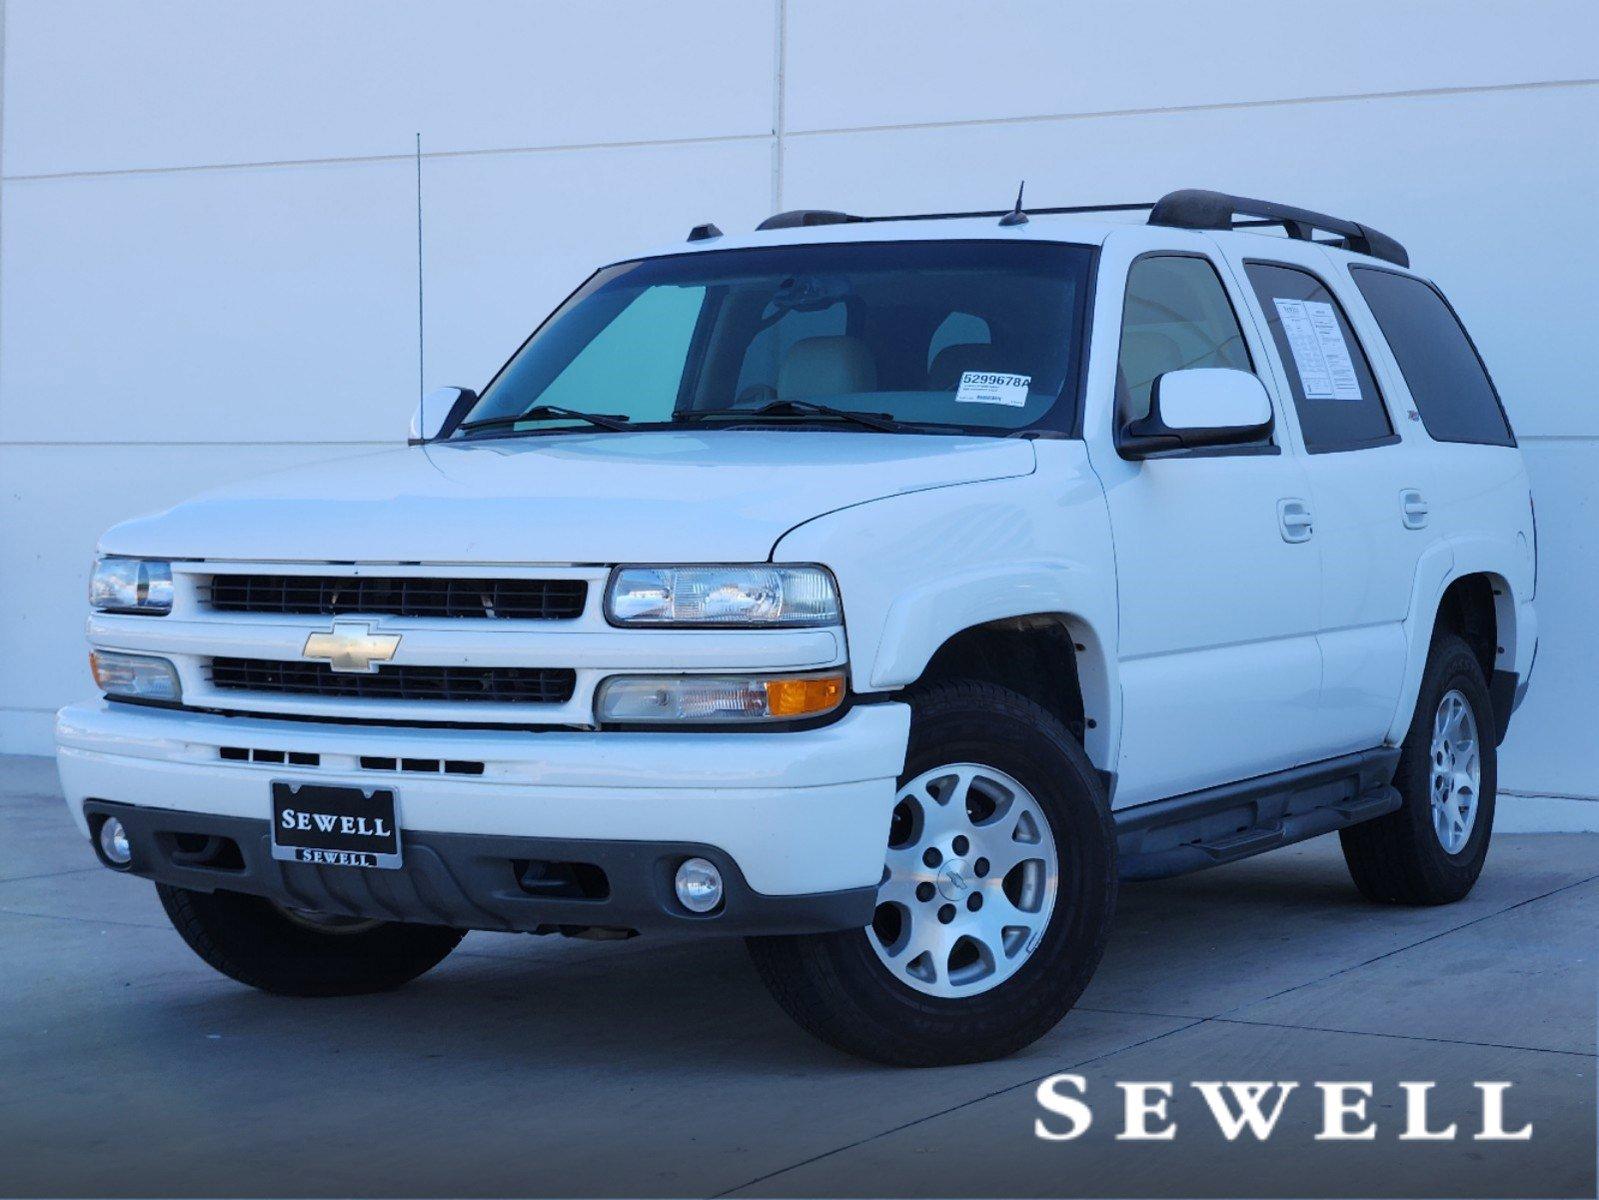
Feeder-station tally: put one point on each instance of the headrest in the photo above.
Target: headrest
(950, 363)
(826, 366)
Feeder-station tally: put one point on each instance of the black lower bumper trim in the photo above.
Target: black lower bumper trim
(473, 881)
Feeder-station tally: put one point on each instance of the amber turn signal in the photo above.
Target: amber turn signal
(805, 696)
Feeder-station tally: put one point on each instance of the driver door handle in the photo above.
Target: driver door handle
(1294, 520)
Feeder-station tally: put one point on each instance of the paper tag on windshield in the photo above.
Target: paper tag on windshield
(988, 387)
(1326, 371)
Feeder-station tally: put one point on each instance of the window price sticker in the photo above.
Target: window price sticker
(989, 387)
(1321, 357)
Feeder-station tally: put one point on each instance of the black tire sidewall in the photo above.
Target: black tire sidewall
(955, 723)
(248, 939)
(1453, 667)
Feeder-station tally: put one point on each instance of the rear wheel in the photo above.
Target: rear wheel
(1432, 848)
(997, 894)
(298, 953)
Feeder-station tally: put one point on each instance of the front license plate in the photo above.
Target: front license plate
(334, 826)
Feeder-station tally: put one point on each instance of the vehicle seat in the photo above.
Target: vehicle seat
(826, 366)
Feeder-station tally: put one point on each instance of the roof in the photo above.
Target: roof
(1038, 229)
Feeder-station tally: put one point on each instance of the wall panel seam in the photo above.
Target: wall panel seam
(1535, 795)
(364, 159)
(779, 99)
(2, 150)
(733, 138)
(1218, 106)
(179, 444)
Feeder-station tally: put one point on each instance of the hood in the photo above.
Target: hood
(650, 496)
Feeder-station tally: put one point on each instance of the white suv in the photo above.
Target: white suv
(881, 589)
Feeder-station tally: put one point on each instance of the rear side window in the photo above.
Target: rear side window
(1334, 391)
(1442, 369)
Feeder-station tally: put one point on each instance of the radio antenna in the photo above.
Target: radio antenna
(421, 343)
(1016, 216)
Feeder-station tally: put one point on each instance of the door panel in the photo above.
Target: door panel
(1220, 668)
(1219, 662)
(1369, 487)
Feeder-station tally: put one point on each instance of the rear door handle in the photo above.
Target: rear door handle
(1294, 521)
(1413, 510)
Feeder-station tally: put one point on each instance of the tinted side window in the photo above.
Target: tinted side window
(1176, 315)
(1445, 376)
(1334, 392)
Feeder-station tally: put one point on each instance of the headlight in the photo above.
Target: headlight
(131, 585)
(715, 699)
(754, 596)
(138, 676)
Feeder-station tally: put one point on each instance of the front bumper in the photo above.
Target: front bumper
(470, 881)
(791, 817)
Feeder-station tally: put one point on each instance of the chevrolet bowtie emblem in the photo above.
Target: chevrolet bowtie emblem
(351, 647)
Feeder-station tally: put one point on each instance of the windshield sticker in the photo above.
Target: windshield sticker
(987, 387)
(1326, 371)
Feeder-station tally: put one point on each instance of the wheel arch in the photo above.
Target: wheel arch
(1056, 659)
(1471, 590)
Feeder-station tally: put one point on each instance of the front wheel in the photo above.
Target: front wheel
(996, 900)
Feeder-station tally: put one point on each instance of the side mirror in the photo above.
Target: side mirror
(1199, 406)
(429, 416)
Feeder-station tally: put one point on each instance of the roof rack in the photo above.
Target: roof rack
(801, 217)
(1188, 208)
(1195, 208)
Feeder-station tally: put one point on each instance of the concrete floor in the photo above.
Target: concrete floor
(529, 1066)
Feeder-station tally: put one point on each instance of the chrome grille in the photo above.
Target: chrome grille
(401, 596)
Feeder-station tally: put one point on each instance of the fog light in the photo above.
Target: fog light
(114, 845)
(699, 885)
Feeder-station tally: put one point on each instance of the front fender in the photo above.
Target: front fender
(915, 570)
(923, 618)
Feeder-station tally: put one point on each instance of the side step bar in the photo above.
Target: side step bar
(1236, 820)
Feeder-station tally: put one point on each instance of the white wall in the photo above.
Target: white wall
(207, 242)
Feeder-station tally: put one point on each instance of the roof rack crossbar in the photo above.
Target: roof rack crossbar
(1196, 208)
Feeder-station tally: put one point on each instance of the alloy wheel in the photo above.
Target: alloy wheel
(969, 884)
(1456, 772)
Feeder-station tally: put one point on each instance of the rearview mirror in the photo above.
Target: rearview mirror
(434, 409)
(1199, 406)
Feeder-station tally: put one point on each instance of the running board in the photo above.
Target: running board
(1237, 820)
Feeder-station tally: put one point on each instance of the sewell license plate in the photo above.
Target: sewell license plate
(334, 826)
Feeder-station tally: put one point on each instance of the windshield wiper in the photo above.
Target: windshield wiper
(546, 412)
(879, 421)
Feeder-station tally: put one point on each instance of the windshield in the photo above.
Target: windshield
(935, 336)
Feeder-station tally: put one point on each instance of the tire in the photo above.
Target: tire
(841, 987)
(257, 943)
(1401, 858)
